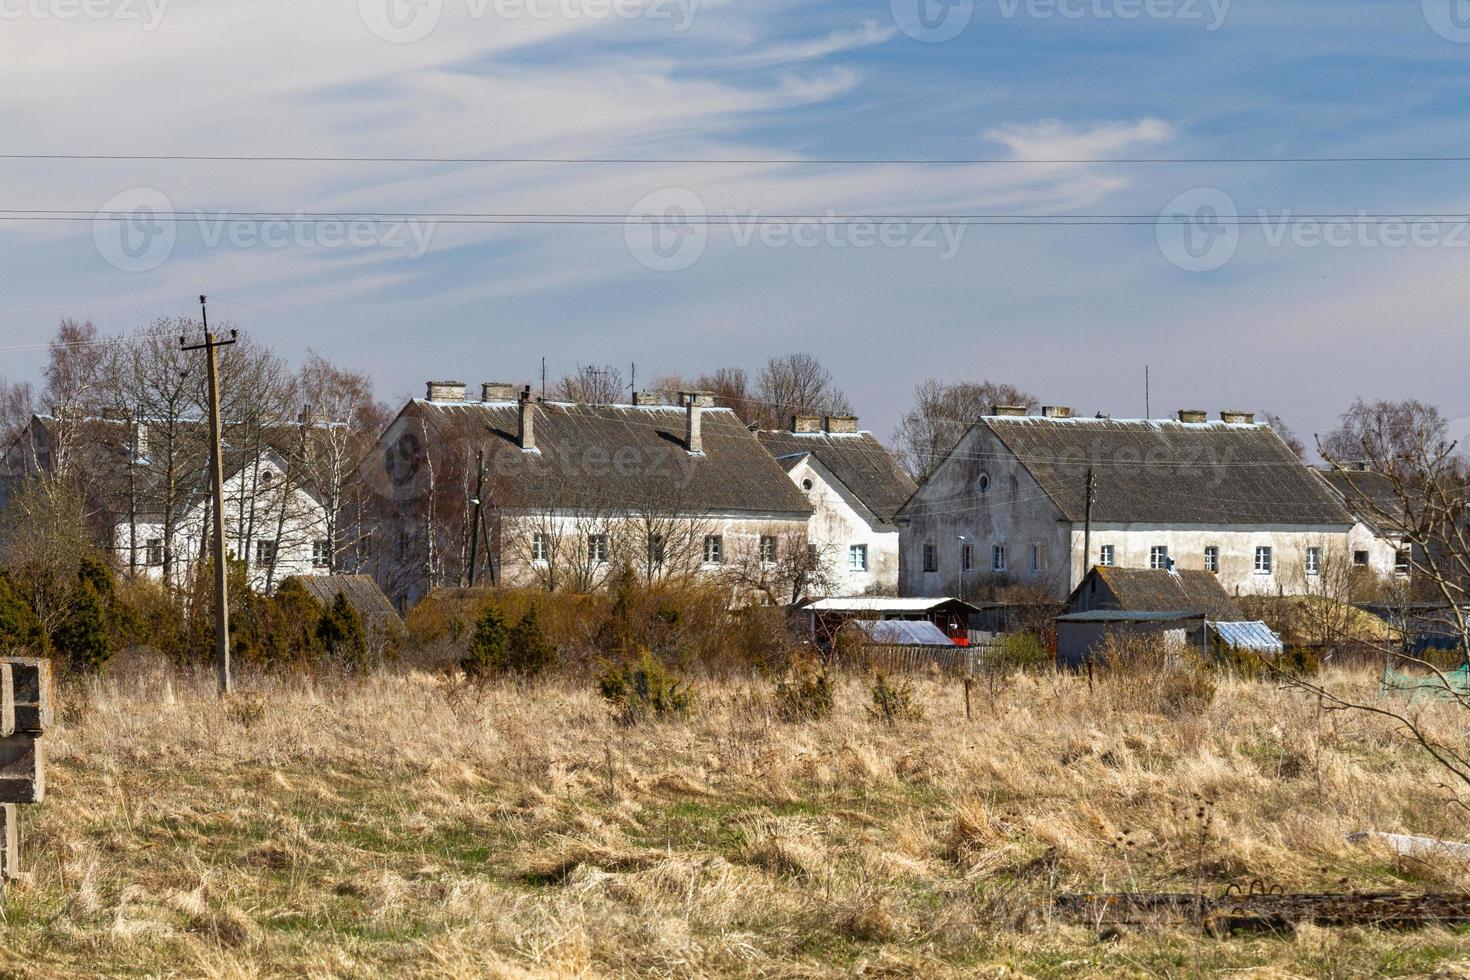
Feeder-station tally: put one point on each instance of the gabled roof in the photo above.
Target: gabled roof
(1157, 590)
(857, 459)
(362, 592)
(1167, 472)
(901, 632)
(1371, 497)
(618, 457)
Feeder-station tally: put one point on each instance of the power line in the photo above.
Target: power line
(732, 161)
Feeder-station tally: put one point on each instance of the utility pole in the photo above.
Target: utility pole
(543, 379)
(1148, 411)
(1087, 522)
(475, 530)
(217, 480)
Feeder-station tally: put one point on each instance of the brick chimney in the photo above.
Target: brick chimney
(526, 435)
(1056, 411)
(646, 398)
(1008, 410)
(498, 391)
(1238, 418)
(1193, 415)
(695, 402)
(445, 391)
(806, 423)
(842, 424)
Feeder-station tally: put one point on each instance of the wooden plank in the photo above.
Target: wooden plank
(22, 769)
(35, 698)
(1389, 910)
(1419, 847)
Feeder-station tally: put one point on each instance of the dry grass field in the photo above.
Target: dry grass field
(395, 827)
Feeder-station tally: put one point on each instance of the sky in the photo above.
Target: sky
(690, 266)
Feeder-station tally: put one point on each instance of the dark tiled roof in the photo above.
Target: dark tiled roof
(857, 459)
(619, 457)
(1169, 472)
(1367, 495)
(1156, 590)
(362, 594)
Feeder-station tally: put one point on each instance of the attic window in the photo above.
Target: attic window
(983, 483)
(266, 478)
(807, 484)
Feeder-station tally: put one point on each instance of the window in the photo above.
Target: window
(998, 558)
(813, 556)
(983, 484)
(931, 557)
(153, 552)
(597, 548)
(768, 550)
(321, 554)
(1105, 556)
(807, 484)
(1314, 561)
(1360, 558)
(540, 547)
(656, 549)
(857, 558)
(1401, 561)
(967, 557)
(714, 550)
(1263, 560)
(266, 478)
(1158, 556)
(1035, 558)
(1212, 558)
(265, 552)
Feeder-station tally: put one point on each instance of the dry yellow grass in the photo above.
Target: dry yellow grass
(384, 828)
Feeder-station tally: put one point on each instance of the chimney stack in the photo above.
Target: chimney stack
(806, 423)
(1008, 410)
(695, 402)
(1238, 418)
(846, 425)
(498, 391)
(446, 391)
(1056, 411)
(1193, 415)
(527, 434)
(646, 398)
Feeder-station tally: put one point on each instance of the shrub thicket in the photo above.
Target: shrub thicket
(341, 636)
(805, 695)
(893, 703)
(644, 689)
(487, 652)
(20, 630)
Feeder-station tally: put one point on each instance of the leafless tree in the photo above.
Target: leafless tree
(43, 538)
(1385, 433)
(73, 392)
(782, 567)
(797, 384)
(17, 405)
(1287, 435)
(592, 385)
(942, 413)
(729, 385)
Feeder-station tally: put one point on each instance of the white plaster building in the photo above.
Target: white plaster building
(1375, 542)
(855, 488)
(573, 494)
(1009, 504)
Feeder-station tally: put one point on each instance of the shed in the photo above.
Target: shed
(901, 632)
(363, 595)
(829, 616)
(1154, 590)
(1081, 636)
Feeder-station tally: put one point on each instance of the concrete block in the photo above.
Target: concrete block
(7, 700)
(22, 769)
(35, 700)
(9, 842)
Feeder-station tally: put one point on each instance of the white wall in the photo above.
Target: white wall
(253, 513)
(839, 521)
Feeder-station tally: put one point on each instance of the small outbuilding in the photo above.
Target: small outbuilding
(827, 617)
(1081, 637)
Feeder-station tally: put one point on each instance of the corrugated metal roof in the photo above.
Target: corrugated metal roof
(903, 632)
(1248, 636)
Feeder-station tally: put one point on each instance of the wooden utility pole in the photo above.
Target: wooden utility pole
(479, 505)
(217, 481)
(1087, 522)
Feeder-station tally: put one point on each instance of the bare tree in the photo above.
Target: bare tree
(592, 385)
(797, 384)
(729, 385)
(782, 567)
(17, 405)
(73, 393)
(943, 413)
(1386, 434)
(1287, 435)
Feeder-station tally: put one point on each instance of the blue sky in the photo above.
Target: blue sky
(1071, 313)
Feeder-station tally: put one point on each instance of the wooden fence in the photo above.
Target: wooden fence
(896, 659)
